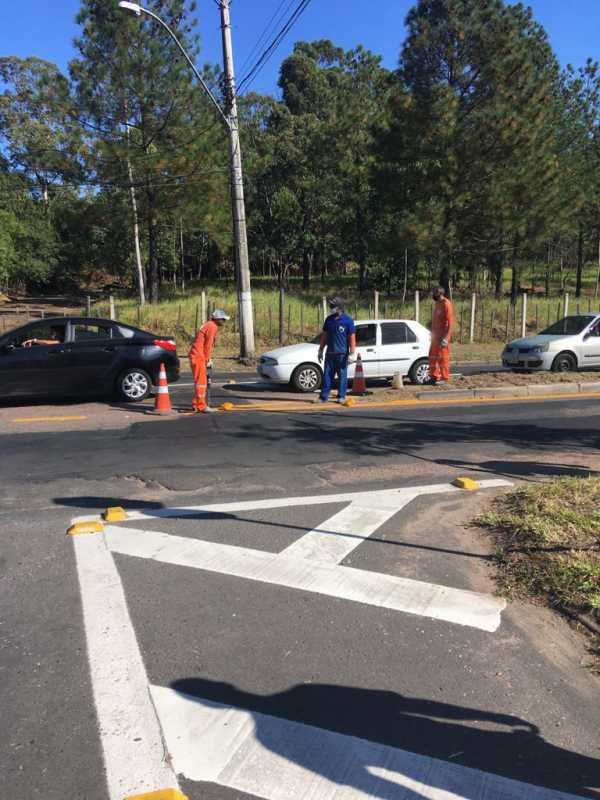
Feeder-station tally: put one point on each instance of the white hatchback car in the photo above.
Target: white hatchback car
(386, 347)
(571, 343)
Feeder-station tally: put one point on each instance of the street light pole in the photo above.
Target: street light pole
(237, 191)
(236, 176)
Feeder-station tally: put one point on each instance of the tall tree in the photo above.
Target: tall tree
(153, 129)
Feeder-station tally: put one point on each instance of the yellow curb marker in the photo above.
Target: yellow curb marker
(466, 483)
(47, 419)
(114, 514)
(161, 794)
(80, 528)
(227, 407)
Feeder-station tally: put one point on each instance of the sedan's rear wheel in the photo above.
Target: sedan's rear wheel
(134, 385)
(564, 362)
(307, 378)
(419, 372)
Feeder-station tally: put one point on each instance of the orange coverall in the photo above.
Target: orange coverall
(441, 325)
(199, 355)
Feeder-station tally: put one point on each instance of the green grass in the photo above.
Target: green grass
(548, 538)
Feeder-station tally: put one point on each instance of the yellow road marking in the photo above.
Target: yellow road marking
(47, 419)
(309, 408)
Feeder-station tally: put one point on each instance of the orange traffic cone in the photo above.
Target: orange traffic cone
(162, 401)
(359, 385)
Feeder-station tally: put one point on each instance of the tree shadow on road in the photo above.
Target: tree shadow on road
(496, 743)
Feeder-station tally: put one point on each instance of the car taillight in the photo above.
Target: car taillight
(166, 344)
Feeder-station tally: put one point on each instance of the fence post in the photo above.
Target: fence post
(462, 315)
(376, 304)
(302, 319)
(111, 307)
(524, 315)
(492, 320)
(289, 325)
(566, 305)
(270, 323)
(472, 321)
(139, 315)
(88, 306)
(281, 313)
(507, 321)
(417, 305)
(482, 330)
(197, 316)
(324, 302)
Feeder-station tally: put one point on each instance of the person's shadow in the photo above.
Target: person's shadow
(494, 743)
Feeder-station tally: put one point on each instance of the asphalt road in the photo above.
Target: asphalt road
(302, 675)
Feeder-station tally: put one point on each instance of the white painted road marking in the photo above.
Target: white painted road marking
(458, 606)
(134, 754)
(277, 759)
(311, 563)
(135, 757)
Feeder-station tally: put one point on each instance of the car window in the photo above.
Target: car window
(396, 333)
(366, 335)
(42, 334)
(595, 329)
(122, 332)
(568, 326)
(84, 332)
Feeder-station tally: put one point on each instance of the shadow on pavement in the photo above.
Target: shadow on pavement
(505, 745)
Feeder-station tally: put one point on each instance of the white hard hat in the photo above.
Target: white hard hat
(218, 313)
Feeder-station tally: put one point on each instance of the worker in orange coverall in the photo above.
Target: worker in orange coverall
(201, 359)
(441, 326)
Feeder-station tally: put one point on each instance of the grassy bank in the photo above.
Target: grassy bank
(548, 540)
(496, 321)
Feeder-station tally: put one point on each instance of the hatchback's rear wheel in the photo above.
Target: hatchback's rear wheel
(564, 362)
(134, 385)
(419, 372)
(306, 378)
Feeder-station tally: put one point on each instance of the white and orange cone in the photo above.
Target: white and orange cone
(162, 399)
(359, 385)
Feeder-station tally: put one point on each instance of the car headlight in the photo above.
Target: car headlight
(541, 348)
(268, 360)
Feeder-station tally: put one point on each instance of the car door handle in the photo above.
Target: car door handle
(109, 349)
(370, 349)
(415, 346)
(56, 352)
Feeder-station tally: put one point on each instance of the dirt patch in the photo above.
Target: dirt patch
(483, 381)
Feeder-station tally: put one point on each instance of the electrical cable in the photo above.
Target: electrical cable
(250, 76)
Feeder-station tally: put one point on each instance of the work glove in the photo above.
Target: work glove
(444, 343)
(320, 356)
(352, 358)
(209, 364)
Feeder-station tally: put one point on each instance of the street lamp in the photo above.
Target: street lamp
(236, 176)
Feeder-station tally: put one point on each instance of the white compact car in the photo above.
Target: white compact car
(571, 343)
(386, 346)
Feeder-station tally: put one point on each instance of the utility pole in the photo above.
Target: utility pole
(230, 118)
(237, 192)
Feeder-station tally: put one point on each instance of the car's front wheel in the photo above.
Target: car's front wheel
(419, 372)
(134, 385)
(564, 362)
(306, 378)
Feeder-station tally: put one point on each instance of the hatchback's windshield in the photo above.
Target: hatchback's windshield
(569, 326)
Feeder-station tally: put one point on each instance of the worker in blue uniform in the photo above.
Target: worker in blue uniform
(339, 337)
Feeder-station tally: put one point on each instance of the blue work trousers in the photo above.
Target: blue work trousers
(336, 365)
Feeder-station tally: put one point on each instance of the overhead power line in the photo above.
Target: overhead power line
(265, 56)
(276, 18)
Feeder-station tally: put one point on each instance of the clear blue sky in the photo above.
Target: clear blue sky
(45, 28)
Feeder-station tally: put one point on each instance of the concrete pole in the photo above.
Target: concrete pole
(324, 301)
(111, 306)
(472, 328)
(417, 305)
(203, 308)
(566, 306)
(524, 315)
(237, 192)
(376, 304)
